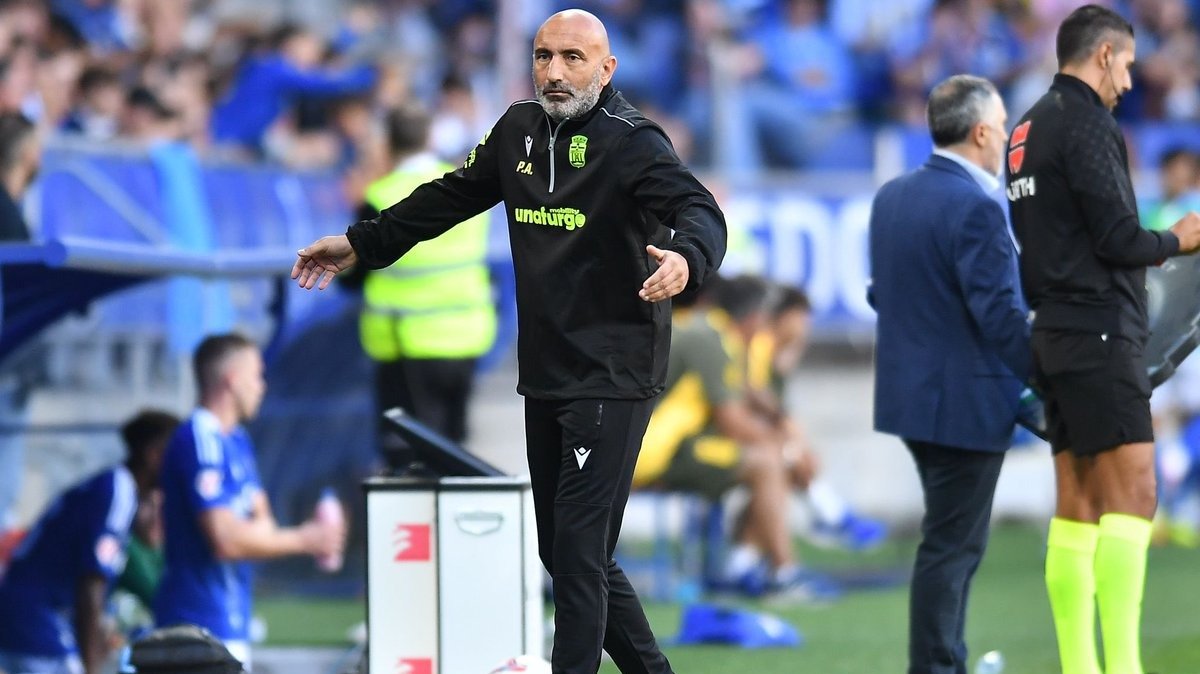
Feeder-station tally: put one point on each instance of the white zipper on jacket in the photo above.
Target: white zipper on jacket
(553, 136)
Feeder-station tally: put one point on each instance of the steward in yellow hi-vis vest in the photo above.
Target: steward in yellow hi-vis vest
(428, 317)
(436, 301)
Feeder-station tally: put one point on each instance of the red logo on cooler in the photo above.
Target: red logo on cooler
(411, 542)
(414, 666)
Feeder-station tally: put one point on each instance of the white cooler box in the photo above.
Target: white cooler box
(454, 584)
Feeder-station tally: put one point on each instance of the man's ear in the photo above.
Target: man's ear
(607, 68)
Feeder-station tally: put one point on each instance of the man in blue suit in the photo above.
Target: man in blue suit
(952, 350)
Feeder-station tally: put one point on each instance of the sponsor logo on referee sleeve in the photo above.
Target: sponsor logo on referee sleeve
(1016, 157)
(1020, 134)
(1019, 187)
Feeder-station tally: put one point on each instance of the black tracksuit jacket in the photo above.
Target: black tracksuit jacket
(583, 198)
(1083, 252)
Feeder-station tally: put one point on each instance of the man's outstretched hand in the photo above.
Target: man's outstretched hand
(669, 279)
(320, 262)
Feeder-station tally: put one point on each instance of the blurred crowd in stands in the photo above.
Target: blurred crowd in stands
(771, 80)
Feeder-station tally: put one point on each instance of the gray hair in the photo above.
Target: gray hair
(955, 106)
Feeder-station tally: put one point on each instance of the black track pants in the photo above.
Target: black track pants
(581, 458)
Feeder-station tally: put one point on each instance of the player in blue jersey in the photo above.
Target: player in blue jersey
(52, 597)
(215, 511)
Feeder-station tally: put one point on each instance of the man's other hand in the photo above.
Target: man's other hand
(317, 264)
(669, 279)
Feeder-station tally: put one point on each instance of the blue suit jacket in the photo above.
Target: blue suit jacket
(952, 340)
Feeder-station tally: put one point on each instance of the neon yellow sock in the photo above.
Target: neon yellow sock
(1071, 584)
(1120, 580)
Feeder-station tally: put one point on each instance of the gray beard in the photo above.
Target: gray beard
(576, 106)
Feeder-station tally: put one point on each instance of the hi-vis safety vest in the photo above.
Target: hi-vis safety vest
(435, 301)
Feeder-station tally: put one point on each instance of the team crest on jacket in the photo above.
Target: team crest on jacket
(578, 150)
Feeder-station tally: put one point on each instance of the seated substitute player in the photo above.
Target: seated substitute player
(52, 598)
(705, 437)
(773, 356)
(215, 511)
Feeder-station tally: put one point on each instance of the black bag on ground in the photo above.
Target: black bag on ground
(182, 649)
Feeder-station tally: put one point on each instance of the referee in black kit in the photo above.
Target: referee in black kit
(592, 191)
(1083, 260)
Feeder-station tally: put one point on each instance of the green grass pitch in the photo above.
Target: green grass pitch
(864, 633)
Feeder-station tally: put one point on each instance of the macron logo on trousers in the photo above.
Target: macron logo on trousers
(581, 456)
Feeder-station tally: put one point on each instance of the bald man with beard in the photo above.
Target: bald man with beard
(606, 225)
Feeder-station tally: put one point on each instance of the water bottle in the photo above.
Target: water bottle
(991, 662)
(329, 511)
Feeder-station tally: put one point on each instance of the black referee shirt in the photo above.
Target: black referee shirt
(1083, 252)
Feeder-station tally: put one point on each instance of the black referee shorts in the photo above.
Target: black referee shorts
(1096, 390)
